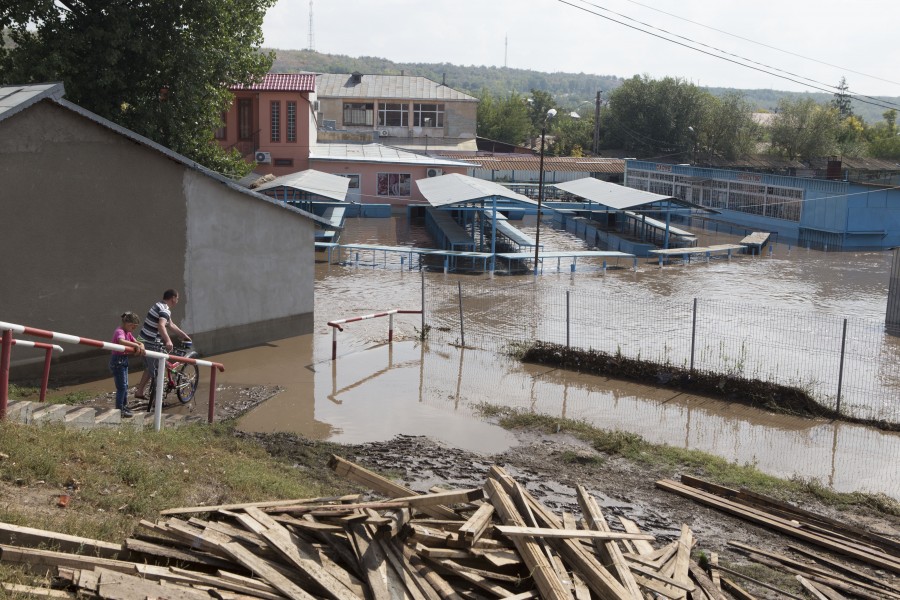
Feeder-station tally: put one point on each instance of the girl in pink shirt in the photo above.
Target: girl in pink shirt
(118, 362)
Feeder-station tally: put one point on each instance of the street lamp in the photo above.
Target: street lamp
(537, 235)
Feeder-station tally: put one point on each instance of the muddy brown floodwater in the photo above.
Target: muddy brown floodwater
(376, 391)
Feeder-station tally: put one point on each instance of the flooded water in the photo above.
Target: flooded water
(375, 391)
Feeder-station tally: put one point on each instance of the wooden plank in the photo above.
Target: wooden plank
(220, 583)
(810, 588)
(377, 483)
(841, 566)
(438, 583)
(542, 572)
(289, 546)
(826, 591)
(652, 574)
(546, 532)
(478, 523)
(175, 554)
(398, 558)
(641, 546)
(704, 581)
(39, 592)
(477, 579)
(878, 559)
(735, 590)
(714, 571)
(52, 559)
(609, 551)
(758, 582)
(114, 585)
(217, 507)
(371, 559)
(600, 580)
(659, 589)
(683, 555)
(17, 535)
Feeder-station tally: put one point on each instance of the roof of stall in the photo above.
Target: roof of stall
(456, 189)
(617, 196)
(312, 181)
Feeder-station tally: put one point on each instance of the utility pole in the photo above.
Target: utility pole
(596, 146)
(312, 39)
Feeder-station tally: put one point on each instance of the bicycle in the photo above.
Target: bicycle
(181, 377)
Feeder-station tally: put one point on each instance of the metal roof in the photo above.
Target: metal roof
(29, 95)
(561, 164)
(282, 82)
(377, 153)
(455, 189)
(614, 195)
(16, 98)
(312, 181)
(404, 87)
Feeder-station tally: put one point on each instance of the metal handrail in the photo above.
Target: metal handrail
(336, 325)
(5, 351)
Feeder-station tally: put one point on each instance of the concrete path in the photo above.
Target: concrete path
(88, 417)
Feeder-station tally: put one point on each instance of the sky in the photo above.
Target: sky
(856, 40)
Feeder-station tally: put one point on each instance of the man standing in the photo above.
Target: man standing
(155, 332)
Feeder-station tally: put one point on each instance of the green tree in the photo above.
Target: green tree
(804, 129)
(842, 100)
(655, 117)
(161, 68)
(883, 139)
(726, 129)
(570, 135)
(503, 119)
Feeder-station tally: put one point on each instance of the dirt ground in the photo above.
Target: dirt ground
(549, 466)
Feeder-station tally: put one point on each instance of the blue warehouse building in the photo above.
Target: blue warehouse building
(815, 212)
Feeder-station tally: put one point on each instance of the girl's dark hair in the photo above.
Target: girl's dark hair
(130, 317)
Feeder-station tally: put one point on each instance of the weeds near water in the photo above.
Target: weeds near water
(423, 334)
(700, 464)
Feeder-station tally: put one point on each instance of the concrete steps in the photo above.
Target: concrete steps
(88, 417)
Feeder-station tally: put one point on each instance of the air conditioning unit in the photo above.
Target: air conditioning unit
(384, 133)
(263, 157)
(432, 172)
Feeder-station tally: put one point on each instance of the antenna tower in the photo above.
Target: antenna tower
(505, 48)
(312, 39)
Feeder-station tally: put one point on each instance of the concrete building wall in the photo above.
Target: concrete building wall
(368, 180)
(96, 223)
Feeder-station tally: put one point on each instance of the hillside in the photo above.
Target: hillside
(569, 89)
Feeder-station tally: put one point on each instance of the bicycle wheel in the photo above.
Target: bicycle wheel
(186, 377)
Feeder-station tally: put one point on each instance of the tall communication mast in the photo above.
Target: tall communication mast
(505, 48)
(312, 38)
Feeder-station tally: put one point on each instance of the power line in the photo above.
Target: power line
(877, 102)
(734, 35)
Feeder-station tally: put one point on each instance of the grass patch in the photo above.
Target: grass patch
(126, 474)
(69, 398)
(694, 462)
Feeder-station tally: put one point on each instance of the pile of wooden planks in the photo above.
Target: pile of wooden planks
(496, 541)
(825, 577)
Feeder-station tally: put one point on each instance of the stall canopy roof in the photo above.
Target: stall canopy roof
(312, 181)
(617, 196)
(456, 188)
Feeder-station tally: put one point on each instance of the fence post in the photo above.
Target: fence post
(422, 271)
(567, 319)
(212, 395)
(158, 394)
(841, 369)
(462, 329)
(693, 335)
(5, 354)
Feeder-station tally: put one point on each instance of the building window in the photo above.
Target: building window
(292, 121)
(356, 113)
(393, 115)
(221, 133)
(394, 185)
(276, 121)
(245, 119)
(428, 115)
(283, 162)
(354, 180)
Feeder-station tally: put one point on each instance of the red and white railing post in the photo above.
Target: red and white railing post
(9, 328)
(336, 325)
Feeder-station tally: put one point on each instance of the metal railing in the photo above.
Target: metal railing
(336, 325)
(6, 350)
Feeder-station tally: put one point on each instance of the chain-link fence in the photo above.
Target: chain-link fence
(845, 364)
